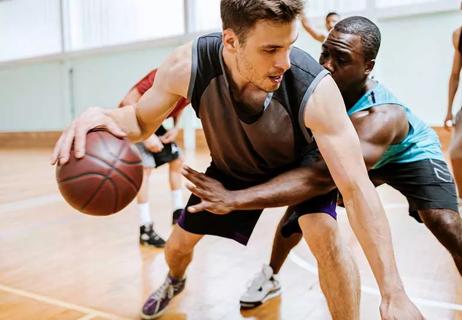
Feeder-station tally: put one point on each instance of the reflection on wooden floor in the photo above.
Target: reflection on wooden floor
(58, 264)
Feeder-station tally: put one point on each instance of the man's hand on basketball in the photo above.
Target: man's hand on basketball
(399, 306)
(215, 197)
(169, 136)
(153, 144)
(75, 134)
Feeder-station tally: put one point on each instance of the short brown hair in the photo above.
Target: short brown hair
(241, 15)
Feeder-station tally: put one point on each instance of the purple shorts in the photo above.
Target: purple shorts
(322, 204)
(239, 225)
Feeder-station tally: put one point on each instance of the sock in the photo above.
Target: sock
(145, 213)
(177, 199)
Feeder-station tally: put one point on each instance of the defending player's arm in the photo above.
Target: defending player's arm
(339, 145)
(139, 121)
(377, 130)
(455, 74)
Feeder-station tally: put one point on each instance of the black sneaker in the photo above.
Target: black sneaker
(159, 299)
(149, 237)
(176, 215)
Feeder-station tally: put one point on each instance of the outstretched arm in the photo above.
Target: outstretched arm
(377, 129)
(338, 142)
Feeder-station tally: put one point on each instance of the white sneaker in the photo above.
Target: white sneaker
(264, 286)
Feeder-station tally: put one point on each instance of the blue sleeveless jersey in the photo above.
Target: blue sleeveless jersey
(421, 141)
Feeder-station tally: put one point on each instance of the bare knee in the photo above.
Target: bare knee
(181, 242)
(322, 236)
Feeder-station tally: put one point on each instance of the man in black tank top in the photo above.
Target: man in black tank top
(455, 149)
(262, 104)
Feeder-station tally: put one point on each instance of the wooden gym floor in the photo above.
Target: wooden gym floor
(58, 264)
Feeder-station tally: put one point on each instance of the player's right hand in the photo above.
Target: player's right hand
(75, 135)
(153, 144)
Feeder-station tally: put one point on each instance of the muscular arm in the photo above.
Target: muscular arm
(455, 72)
(377, 129)
(339, 145)
(137, 122)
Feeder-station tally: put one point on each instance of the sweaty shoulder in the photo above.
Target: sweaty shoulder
(174, 73)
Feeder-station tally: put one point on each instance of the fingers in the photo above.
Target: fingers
(202, 206)
(56, 150)
(80, 141)
(66, 145)
(113, 128)
(198, 191)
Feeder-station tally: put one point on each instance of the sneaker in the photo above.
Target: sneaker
(176, 215)
(159, 300)
(149, 237)
(263, 287)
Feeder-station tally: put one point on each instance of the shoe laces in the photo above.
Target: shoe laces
(166, 290)
(257, 281)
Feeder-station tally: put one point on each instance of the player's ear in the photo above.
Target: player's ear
(230, 40)
(369, 66)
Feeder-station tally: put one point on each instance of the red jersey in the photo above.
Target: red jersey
(144, 84)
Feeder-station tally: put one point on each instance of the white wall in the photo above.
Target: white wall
(414, 62)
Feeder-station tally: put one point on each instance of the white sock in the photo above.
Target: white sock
(145, 213)
(177, 199)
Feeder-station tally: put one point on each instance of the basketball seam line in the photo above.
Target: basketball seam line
(81, 175)
(116, 157)
(113, 168)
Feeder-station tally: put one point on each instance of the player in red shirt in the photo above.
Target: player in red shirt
(157, 150)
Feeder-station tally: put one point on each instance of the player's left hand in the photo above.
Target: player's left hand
(215, 198)
(169, 136)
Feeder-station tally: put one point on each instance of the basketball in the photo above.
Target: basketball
(106, 179)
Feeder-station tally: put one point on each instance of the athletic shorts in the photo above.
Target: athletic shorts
(426, 184)
(150, 159)
(238, 225)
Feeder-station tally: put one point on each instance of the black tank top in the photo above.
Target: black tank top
(268, 145)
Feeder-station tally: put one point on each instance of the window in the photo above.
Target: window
(97, 23)
(29, 28)
(320, 8)
(205, 15)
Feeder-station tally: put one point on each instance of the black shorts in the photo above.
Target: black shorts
(169, 153)
(237, 225)
(426, 184)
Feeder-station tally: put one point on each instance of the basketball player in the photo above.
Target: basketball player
(262, 104)
(329, 22)
(398, 148)
(158, 149)
(455, 149)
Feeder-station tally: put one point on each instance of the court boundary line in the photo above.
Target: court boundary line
(89, 312)
(302, 263)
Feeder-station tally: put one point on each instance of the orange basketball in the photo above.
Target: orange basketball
(106, 179)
